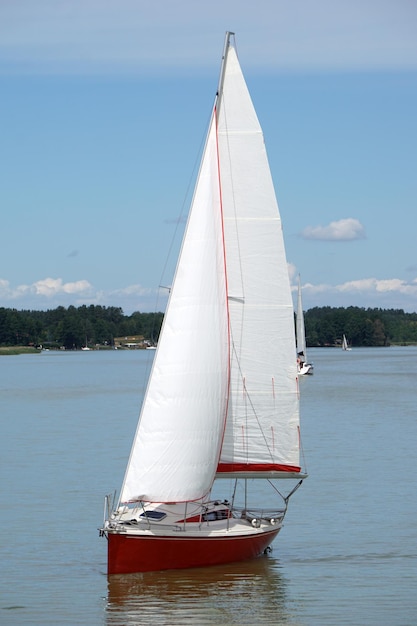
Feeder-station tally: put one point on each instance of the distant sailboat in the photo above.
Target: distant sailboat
(303, 366)
(85, 348)
(222, 400)
(345, 344)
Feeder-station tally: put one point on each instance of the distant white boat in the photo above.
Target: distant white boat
(86, 346)
(303, 366)
(345, 344)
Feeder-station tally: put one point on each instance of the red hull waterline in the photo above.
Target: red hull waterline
(128, 553)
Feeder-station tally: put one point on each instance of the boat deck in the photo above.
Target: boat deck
(212, 519)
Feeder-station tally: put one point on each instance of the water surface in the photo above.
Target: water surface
(347, 553)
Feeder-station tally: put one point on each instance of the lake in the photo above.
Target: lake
(346, 555)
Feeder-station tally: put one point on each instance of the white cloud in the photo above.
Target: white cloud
(50, 287)
(46, 288)
(4, 286)
(347, 229)
(53, 292)
(392, 293)
(292, 271)
(132, 290)
(392, 285)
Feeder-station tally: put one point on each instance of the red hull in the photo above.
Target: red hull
(128, 553)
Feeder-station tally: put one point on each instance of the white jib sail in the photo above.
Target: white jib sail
(177, 444)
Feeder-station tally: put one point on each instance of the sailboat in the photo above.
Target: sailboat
(345, 344)
(303, 366)
(219, 423)
(85, 347)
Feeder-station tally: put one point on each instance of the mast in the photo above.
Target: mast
(301, 339)
(228, 36)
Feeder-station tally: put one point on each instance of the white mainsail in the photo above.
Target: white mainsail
(263, 419)
(223, 388)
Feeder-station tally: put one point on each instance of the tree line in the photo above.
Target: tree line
(73, 327)
(325, 326)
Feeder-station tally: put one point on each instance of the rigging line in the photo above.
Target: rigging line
(225, 279)
(223, 103)
(275, 488)
(302, 450)
(184, 206)
(224, 113)
(288, 496)
(247, 395)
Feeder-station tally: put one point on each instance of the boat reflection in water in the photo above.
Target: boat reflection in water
(249, 592)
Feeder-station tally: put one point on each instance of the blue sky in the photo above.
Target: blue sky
(104, 107)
